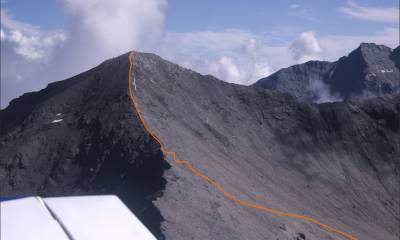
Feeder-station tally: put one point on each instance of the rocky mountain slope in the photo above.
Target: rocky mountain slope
(335, 162)
(370, 70)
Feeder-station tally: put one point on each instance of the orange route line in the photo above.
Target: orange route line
(211, 181)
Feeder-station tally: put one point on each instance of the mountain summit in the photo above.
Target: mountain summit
(198, 158)
(368, 71)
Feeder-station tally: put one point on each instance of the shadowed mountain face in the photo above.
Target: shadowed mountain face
(338, 163)
(395, 56)
(370, 70)
(97, 148)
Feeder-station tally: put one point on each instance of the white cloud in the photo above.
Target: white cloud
(100, 29)
(27, 40)
(228, 69)
(306, 47)
(378, 14)
(117, 26)
(2, 35)
(232, 55)
(322, 92)
(97, 30)
(261, 70)
(294, 6)
(34, 47)
(25, 55)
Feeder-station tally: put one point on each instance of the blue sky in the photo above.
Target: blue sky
(237, 41)
(257, 16)
(264, 16)
(47, 14)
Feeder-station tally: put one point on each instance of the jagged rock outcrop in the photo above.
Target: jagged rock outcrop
(336, 162)
(370, 70)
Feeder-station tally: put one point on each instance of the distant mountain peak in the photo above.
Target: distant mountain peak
(371, 51)
(364, 46)
(369, 70)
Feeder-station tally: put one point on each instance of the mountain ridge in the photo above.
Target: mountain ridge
(369, 70)
(259, 144)
(213, 182)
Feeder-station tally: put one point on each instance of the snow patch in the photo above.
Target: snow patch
(57, 120)
(134, 82)
(386, 70)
